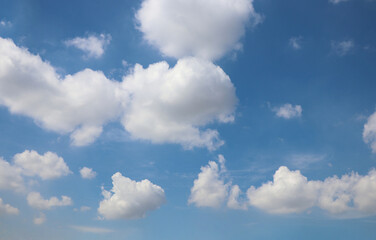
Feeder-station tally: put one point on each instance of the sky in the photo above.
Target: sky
(187, 119)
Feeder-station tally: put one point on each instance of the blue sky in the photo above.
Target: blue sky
(165, 119)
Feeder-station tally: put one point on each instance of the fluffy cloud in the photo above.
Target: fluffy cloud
(10, 177)
(342, 48)
(92, 45)
(171, 104)
(7, 209)
(157, 103)
(87, 173)
(129, 199)
(289, 192)
(35, 200)
(288, 111)
(47, 166)
(79, 103)
(206, 29)
(209, 189)
(369, 132)
(350, 196)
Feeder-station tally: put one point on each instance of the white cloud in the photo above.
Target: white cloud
(35, 200)
(87, 173)
(342, 48)
(94, 46)
(206, 29)
(173, 104)
(302, 161)
(10, 177)
(40, 220)
(289, 192)
(129, 199)
(369, 132)
(167, 104)
(337, 1)
(7, 208)
(233, 199)
(92, 229)
(47, 166)
(296, 42)
(288, 111)
(210, 189)
(4, 23)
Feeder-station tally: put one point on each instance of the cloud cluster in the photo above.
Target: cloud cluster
(129, 199)
(172, 104)
(288, 111)
(35, 200)
(7, 208)
(205, 29)
(92, 45)
(369, 132)
(30, 164)
(350, 196)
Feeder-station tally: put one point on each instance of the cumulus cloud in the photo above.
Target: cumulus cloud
(296, 42)
(10, 177)
(369, 132)
(35, 200)
(7, 208)
(87, 173)
(206, 29)
(342, 48)
(289, 192)
(129, 199)
(173, 104)
(158, 103)
(40, 219)
(92, 229)
(94, 46)
(288, 111)
(47, 166)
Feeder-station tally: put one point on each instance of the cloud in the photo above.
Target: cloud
(288, 111)
(87, 173)
(10, 177)
(171, 105)
(82, 209)
(129, 199)
(35, 200)
(289, 192)
(92, 229)
(4, 23)
(8, 209)
(205, 29)
(47, 166)
(302, 161)
(342, 48)
(296, 42)
(369, 132)
(40, 220)
(92, 45)
(158, 103)
(211, 189)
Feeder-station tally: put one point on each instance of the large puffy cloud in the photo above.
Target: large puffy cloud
(157, 103)
(289, 192)
(79, 103)
(206, 29)
(35, 200)
(7, 208)
(369, 132)
(47, 166)
(171, 104)
(129, 199)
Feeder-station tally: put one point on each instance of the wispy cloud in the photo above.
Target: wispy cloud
(92, 229)
(94, 46)
(296, 42)
(288, 111)
(342, 48)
